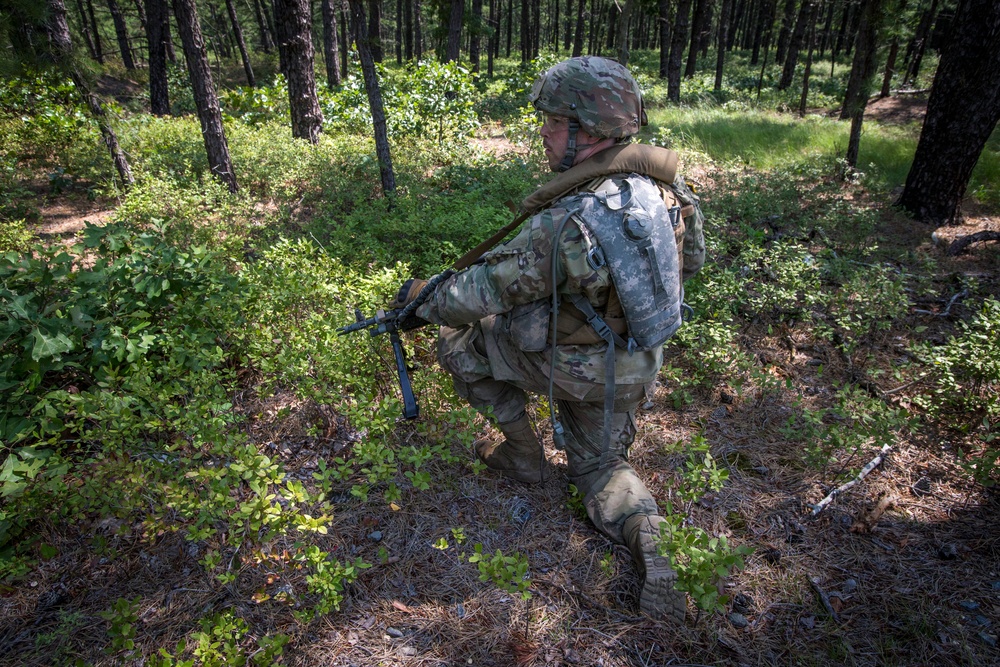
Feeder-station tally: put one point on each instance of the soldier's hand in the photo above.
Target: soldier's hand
(407, 293)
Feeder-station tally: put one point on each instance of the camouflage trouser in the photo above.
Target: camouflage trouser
(488, 371)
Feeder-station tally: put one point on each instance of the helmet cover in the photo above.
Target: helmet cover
(598, 93)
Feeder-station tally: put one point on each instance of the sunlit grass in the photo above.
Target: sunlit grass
(769, 140)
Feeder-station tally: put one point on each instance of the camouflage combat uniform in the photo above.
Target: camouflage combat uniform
(494, 341)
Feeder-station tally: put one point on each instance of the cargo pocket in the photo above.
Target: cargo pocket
(528, 326)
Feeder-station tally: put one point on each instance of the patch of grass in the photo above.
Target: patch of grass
(767, 140)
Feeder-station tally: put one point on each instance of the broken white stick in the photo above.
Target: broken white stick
(821, 505)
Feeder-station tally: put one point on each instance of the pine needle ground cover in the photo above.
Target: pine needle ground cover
(197, 470)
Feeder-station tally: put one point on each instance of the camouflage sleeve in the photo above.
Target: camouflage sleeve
(519, 272)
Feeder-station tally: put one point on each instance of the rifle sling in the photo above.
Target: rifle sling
(658, 163)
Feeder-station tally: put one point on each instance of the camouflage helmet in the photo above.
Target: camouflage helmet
(598, 93)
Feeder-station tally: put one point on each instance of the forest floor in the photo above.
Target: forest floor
(902, 570)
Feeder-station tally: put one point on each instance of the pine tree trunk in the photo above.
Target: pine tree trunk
(890, 60)
(795, 44)
(141, 13)
(475, 34)
(720, 56)
(623, 23)
(99, 52)
(863, 66)
(266, 41)
(156, 35)
(121, 31)
(920, 40)
(953, 135)
(863, 70)
(205, 98)
(764, 22)
(382, 152)
(568, 27)
(786, 31)
(811, 41)
(375, 29)
(663, 21)
(238, 34)
(451, 51)
(536, 23)
(408, 29)
(418, 32)
(831, 5)
(578, 36)
(525, 36)
(493, 40)
(85, 28)
(678, 40)
(61, 45)
(293, 24)
(736, 20)
(697, 25)
(331, 55)
(845, 18)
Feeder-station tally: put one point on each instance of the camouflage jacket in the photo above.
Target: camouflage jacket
(514, 282)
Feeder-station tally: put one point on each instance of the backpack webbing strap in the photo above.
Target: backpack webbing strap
(613, 340)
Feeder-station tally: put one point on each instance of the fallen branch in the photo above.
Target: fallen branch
(960, 244)
(825, 599)
(947, 310)
(821, 505)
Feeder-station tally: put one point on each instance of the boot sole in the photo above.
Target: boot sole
(658, 598)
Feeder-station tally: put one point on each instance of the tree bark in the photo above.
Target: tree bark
(156, 36)
(536, 23)
(525, 33)
(121, 31)
(345, 34)
(623, 23)
(85, 29)
(418, 32)
(453, 45)
(697, 26)
(494, 39)
(720, 57)
(890, 60)
(663, 21)
(141, 13)
(795, 44)
(61, 47)
(578, 36)
(677, 42)
(863, 69)
(238, 34)
(920, 40)
(266, 42)
(786, 31)
(375, 29)
(764, 21)
(99, 52)
(374, 98)
(408, 29)
(205, 99)
(293, 25)
(475, 34)
(331, 56)
(811, 41)
(863, 66)
(953, 135)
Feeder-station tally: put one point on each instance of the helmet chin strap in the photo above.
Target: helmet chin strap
(570, 155)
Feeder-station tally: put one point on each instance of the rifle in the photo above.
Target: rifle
(392, 322)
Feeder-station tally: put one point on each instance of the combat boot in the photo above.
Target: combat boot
(658, 598)
(519, 457)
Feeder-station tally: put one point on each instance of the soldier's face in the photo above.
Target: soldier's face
(555, 137)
